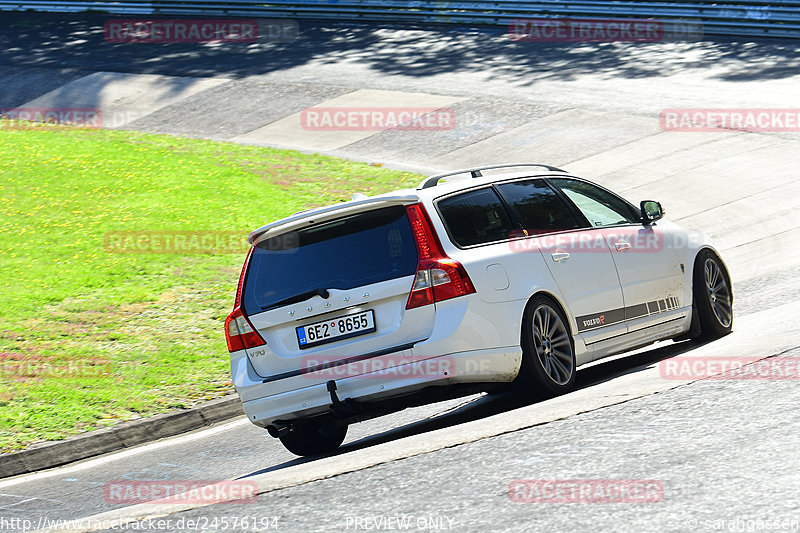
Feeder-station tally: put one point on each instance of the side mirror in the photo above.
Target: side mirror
(651, 211)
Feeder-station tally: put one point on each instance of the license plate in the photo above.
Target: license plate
(335, 329)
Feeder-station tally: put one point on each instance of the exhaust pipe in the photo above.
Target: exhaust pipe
(278, 432)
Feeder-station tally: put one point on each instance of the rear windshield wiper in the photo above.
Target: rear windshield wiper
(298, 298)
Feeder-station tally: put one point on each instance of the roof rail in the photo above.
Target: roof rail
(476, 172)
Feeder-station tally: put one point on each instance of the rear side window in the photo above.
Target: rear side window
(538, 207)
(342, 254)
(475, 217)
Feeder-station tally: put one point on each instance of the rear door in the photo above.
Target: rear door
(583, 268)
(332, 291)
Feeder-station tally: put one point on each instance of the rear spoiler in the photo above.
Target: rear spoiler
(313, 216)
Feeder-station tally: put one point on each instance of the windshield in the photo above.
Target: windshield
(345, 253)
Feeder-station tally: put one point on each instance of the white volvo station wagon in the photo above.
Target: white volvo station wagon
(505, 274)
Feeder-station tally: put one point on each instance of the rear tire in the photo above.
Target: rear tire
(548, 353)
(712, 296)
(314, 438)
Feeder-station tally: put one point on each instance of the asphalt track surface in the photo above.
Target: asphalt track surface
(724, 452)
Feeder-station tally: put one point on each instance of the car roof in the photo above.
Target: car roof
(429, 189)
(463, 180)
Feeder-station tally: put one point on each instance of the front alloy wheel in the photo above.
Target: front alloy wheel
(713, 297)
(718, 293)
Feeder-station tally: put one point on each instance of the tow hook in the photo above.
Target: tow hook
(342, 408)
(336, 404)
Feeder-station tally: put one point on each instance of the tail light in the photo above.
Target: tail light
(438, 277)
(239, 332)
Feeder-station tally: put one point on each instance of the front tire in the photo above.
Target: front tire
(548, 354)
(712, 296)
(313, 438)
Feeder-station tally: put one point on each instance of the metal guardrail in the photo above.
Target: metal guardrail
(780, 18)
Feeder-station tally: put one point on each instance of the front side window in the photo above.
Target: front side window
(475, 217)
(600, 207)
(538, 207)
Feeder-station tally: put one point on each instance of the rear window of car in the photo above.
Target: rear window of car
(344, 253)
(475, 217)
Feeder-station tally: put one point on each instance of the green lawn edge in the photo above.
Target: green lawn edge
(94, 333)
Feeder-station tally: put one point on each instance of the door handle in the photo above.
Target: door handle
(559, 256)
(622, 245)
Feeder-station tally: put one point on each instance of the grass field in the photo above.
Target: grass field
(91, 335)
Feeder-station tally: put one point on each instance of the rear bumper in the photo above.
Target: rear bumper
(264, 408)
